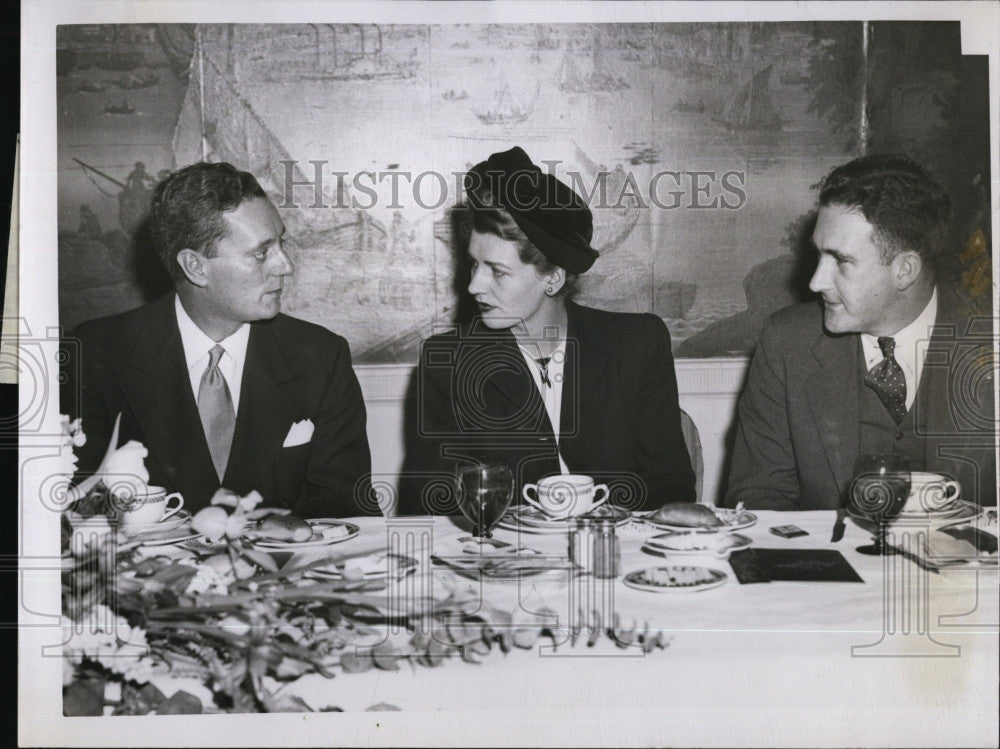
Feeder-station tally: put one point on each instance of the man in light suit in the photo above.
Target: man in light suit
(889, 362)
(220, 387)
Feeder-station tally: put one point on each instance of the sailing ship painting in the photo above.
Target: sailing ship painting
(506, 110)
(752, 108)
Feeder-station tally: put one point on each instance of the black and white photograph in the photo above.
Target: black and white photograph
(489, 373)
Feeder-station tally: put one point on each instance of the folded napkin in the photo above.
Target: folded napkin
(957, 544)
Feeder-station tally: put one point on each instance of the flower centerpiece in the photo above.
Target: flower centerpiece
(224, 615)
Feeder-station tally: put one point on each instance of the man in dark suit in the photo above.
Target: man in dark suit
(537, 382)
(889, 362)
(220, 387)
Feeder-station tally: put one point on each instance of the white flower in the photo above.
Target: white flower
(124, 470)
(107, 639)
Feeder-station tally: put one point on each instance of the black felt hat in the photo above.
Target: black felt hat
(548, 211)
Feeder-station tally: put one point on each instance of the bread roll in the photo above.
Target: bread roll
(687, 514)
(285, 528)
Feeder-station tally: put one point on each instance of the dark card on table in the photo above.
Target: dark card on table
(809, 565)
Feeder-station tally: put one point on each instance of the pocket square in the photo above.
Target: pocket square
(300, 433)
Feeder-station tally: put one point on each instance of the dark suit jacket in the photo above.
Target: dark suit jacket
(620, 420)
(133, 363)
(797, 436)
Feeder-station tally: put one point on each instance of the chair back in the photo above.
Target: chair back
(693, 442)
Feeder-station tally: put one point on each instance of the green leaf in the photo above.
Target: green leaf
(84, 698)
(262, 560)
(386, 658)
(354, 663)
(283, 703)
(180, 703)
(383, 707)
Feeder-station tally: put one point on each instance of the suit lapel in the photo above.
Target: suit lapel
(509, 378)
(266, 407)
(158, 391)
(833, 399)
(583, 382)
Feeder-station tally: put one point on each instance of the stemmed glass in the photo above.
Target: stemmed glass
(484, 493)
(879, 491)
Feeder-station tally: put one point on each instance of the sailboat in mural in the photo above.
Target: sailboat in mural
(506, 109)
(752, 108)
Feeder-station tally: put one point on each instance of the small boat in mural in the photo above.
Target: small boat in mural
(506, 110)
(752, 108)
(138, 79)
(91, 87)
(121, 108)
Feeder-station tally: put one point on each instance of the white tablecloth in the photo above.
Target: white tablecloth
(907, 657)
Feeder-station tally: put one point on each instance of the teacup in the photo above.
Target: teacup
(930, 492)
(561, 497)
(151, 506)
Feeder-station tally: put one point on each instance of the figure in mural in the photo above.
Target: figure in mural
(90, 226)
(536, 381)
(222, 389)
(888, 362)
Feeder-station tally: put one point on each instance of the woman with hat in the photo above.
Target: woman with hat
(536, 381)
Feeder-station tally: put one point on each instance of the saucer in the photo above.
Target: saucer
(533, 520)
(174, 521)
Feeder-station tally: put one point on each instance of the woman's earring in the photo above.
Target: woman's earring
(550, 291)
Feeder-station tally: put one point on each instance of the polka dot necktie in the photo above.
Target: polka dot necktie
(887, 380)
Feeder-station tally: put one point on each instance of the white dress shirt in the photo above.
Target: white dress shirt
(551, 393)
(911, 348)
(197, 345)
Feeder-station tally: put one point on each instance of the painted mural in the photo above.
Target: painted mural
(697, 146)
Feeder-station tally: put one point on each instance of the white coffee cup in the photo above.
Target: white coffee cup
(930, 492)
(566, 496)
(152, 506)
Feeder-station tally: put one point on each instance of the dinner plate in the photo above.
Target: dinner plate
(696, 541)
(174, 521)
(675, 579)
(396, 565)
(964, 511)
(318, 539)
(732, 520)
(504, 567)
(533, 520)
(164, 538)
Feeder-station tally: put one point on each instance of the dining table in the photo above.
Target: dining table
(902, 655)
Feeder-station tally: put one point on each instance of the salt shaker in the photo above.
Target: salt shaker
(607, 553)
(581, 543)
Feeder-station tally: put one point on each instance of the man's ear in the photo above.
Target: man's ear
(908, 266)
(192, 264)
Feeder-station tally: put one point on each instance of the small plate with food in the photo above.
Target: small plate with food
(683, 516)
(696, 541)
(367, 567)
(675, 579)
(289, 533)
